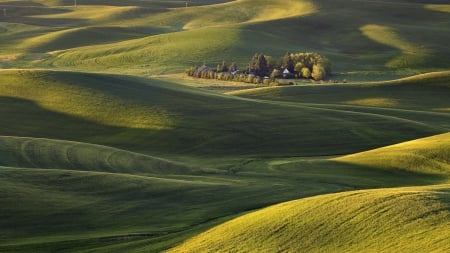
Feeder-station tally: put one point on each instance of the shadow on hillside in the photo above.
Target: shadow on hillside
(348, 176)
(27, 118)
(334, 31)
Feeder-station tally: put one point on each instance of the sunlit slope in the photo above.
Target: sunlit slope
(55, 154)
(92, 97)
(234, 12)
(380, 38)
(388, 220)
(159, 118)
(422, 92)
(394, 220)
(429, 155)
(75, 37)
(143, 3)
(52, 209)
(171, 52)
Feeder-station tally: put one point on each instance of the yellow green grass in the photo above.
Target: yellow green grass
(96, 14)
(391, 219)
(149, 115)
(56, 154)
(421, 92)
(381, 39)
(76, 98)
(387, 220)
(386, 35)
(150, 55)
(438, 7)
(241, 154)
(429, 155)
(102, 162)
(75, 37)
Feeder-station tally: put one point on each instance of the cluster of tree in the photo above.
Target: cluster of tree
(263, 68)
(307, 65)
(225, 73)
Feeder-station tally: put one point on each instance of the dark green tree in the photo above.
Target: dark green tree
(222, 67)
(288, 63)
(258, 65)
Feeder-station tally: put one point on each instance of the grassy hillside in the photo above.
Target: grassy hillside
(111, 205)
(370, 43)
(53, 154)
(380, 42)
(162, 118)
(429, 155)
(394, 220)
(94, 160)
(422, 92)
(50, 209)
(243, 154)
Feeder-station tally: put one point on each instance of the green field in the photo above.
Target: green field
(106, 147)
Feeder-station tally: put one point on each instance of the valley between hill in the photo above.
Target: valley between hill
(105, 147)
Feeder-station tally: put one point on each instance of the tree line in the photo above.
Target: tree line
(264, 69)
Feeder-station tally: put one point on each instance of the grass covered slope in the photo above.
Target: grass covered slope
(162, 118)
(387, 220)
(50, 209)
(428, 155)
(381, 39)
(421, 92)
(97, 98)
(390, 219)
(25, 152)
(152, 37)
(62, 208)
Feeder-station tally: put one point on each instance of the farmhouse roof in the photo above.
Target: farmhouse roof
(203, 68)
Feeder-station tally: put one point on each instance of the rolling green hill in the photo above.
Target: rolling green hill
(236, 154)
(95, 156)
(394, 219)
(387, 220)
(422, 92)
(87, 205)
(429, 155)
(53, 154)
(378, 43)
(165, 119)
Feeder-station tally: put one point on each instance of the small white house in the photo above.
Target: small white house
(287, 73)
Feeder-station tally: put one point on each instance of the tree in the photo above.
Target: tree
(271, 63)
(222, 67)
(298, 67)
(258, 65)
(318, 72)
(275, 73)
(306, 72)
(288, 62)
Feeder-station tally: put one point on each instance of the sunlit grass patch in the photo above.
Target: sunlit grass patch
(438, 7)
(43, 153)
(388, 36)
(427, 155)
(92, 13)
(394, 220)
(75, 37)
(53, 92)
(154, 54)
(382, 102)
